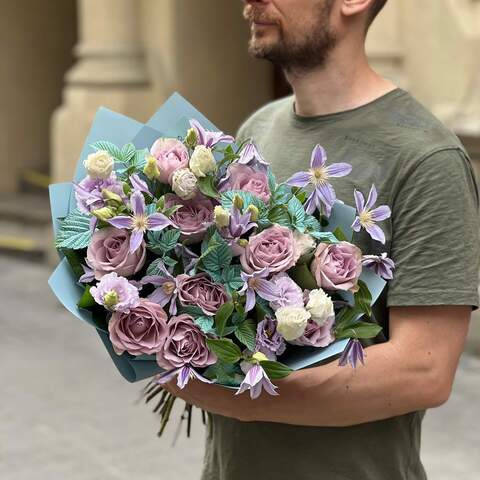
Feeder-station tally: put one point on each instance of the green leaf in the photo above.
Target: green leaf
(171, 262)
(222, 315)
(280, 215)
(75, 258)
(338, 232)
(325, 237)
(248, 198)
(204, 323)
(224, 373)
(275, 370)
(138, 161)
(225, 349)
(246, 333)
(128, 151)
(192, 310)
(218, 254)
(109, 147)
(231, 278)
(155, 267)
(162, 242)
(363, 298)
(207, 186)
(262, 308)
(74, 232)
(282, 194)
(303, 277)
(87, 300)
(346, 317)
(360, 330)
(297, 212)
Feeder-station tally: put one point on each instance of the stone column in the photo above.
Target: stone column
(110, 71)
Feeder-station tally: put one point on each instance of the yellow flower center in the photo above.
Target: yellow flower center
(140, 222)
(366, 218)
(319, 175)
(168, 288)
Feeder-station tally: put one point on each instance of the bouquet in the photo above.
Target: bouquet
(192, 262)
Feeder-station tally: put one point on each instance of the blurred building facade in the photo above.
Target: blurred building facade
(61, 60)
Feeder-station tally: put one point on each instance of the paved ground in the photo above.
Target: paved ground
(65, 413)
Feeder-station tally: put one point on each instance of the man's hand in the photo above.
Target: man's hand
(414, 370)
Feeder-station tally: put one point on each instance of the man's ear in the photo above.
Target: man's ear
(354, 7)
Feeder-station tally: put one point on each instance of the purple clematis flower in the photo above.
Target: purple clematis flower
(380, 264)
(255, 380)
(318, 176)
(367, 217)
(183, 374)
(208, 138)
(251, 156)
(239, 224)
(139, 184)
(166, 290)
(257, 282)
(189, 258)
(88, 276)
(352, 354)
(139, 222)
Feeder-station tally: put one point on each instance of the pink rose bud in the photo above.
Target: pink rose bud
(247, 179)
(171, 155)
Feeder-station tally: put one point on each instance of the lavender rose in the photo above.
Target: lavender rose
(337, 266)
(142, 330)
(316, 335)
(243, 177)
(185, 345)
(201, 291)
(273, 248)
(193, 218)
(109, 251)
(171, 155)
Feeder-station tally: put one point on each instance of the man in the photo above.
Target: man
(332, 422)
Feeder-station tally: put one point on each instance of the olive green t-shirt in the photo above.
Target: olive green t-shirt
(421, 170)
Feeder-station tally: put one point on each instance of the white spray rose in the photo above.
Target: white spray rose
(99, 164)
(202, 161)
(320, 306)
(292, 321)
(184, 183)
(304, 243)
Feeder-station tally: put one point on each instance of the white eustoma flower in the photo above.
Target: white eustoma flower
(304, 243)
(320, 306)
(184, 183)
(202, 161)
(292, 322)
(99, 165)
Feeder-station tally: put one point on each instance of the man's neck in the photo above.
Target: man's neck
(337, 86)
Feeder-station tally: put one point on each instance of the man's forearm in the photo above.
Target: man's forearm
(329, 395)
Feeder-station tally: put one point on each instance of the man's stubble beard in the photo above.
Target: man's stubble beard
(308, 52)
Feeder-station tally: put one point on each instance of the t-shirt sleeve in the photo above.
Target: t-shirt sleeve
(435, 234)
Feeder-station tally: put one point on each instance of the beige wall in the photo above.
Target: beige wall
(200, 49)
(36, 38)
